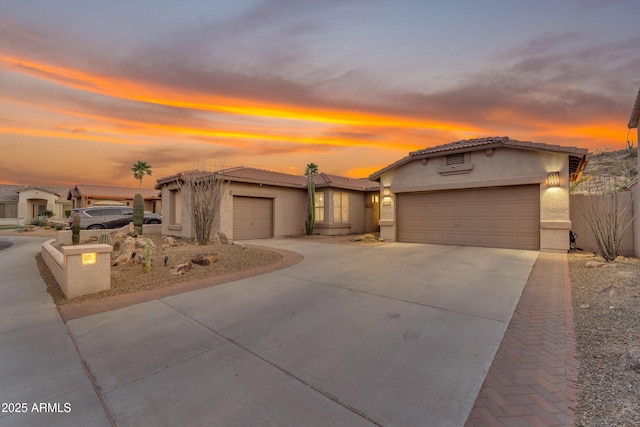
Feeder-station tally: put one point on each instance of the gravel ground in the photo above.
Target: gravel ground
(130, 278)
(606, 303)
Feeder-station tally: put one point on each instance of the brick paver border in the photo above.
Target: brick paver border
(532, 379)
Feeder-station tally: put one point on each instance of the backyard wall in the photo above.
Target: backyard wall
(579, 204)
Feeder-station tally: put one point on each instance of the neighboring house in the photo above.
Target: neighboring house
(493, 192)
(633, 124)
(262, 204)
(89, 195)
(19, 204)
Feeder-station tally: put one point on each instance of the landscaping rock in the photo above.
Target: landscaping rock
(180, 269)
(598, 264)
(220, 238)
(630, 361)
(205, 259)
(170, 241)
(141, 243)
(127, 248)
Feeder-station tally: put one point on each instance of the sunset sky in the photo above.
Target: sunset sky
(87, 88)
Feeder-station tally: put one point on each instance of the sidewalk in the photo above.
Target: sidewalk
(532, 379)
(42, 379)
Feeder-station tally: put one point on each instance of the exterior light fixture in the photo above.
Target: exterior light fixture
(553, 179)
(386, 192)
(89, 258)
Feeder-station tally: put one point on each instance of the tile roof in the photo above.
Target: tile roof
(246, 174)
(261, 176)
(9, 193)
(482, 144)
(108, 191)
(328, 180)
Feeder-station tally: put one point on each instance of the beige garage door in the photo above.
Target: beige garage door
(502, 217)
(252, 218)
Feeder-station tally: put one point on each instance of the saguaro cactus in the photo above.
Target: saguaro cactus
(138, 212)
(75, 228)
(105, 238)
(146, 263)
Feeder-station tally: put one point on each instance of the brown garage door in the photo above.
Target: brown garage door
(252, 218)
(502, 217)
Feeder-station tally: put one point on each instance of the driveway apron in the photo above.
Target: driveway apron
(400, 334)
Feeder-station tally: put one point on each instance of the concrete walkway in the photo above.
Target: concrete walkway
(395, 335)
(43, 381)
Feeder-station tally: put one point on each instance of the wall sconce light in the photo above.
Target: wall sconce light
(386, 192)
(553, 179)
(88, 259)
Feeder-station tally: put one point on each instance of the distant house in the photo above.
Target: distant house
(262, 204)
(89, 195)
(19, 204)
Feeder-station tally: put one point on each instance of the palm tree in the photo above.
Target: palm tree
(140, 169)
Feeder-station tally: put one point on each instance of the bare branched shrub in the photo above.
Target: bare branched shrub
(607, 214)
(202, 194)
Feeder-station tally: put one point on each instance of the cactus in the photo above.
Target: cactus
(146, 262)
(75, 229)
(138, 212)
(105, 239)
(311, 207)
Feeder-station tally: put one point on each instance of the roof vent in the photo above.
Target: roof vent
(455, 159)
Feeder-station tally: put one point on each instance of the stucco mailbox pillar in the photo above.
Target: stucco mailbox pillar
(87, 269)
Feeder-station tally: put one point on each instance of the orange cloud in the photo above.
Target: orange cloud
(143, 92)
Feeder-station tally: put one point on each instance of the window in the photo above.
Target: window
(319, 203)
(341, 208)
(175, 200)
(8, 210)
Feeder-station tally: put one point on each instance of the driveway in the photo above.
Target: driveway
(400, 334)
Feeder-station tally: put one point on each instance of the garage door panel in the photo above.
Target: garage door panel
(252, 218)
(506, 217)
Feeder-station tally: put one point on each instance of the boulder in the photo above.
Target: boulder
(170, 241)
(141, 243)
(205, 259)
(180, 269)
(127, 248)
(220, 238)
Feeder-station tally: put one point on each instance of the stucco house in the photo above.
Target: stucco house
(89, 195)
(262, 204)
(494, 192)
(19, 204)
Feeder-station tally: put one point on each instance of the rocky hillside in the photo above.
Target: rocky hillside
(611, 169)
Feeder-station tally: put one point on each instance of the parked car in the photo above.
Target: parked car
(110, 217)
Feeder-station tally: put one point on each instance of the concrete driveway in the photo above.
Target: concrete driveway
(401, 334)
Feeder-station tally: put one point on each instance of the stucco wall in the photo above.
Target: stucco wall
(493, 167)
(581, 204)
(289, 207)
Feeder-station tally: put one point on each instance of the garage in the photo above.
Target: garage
(503, 217)
(252, 218)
